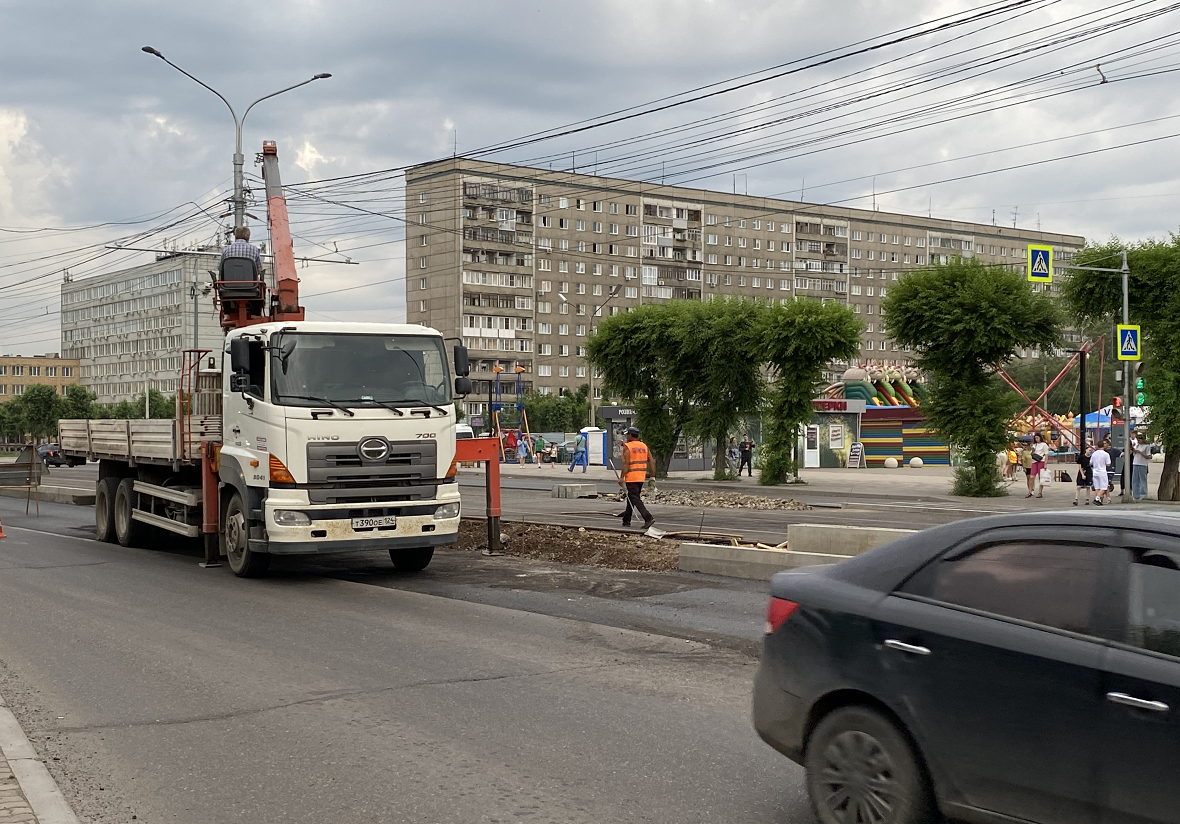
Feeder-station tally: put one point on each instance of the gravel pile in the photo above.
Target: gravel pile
(726, 500)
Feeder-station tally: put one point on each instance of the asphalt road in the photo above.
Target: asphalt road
(483, 690)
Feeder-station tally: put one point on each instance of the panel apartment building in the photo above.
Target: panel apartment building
(521, 262)
(20, 372)
(128, 328)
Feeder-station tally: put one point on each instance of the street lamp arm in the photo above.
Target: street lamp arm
(155, 53)
(281, 91)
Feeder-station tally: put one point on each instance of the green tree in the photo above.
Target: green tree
(963, 320)
(41, 408)
(798, 340)
(12, 421)
(720, 368)
(79, 404)
(1154, 303)
(564, 412)
(640, 356)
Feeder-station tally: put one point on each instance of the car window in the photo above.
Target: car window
(1154, 602)
(1053, 584)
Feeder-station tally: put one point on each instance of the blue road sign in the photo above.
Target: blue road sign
(1129, 342)
(1040, 264)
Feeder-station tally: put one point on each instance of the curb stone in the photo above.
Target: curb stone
(28, 793)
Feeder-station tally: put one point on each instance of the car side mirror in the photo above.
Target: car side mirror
(239, 383)
(463, 386)
(239, 355)
(462, 362)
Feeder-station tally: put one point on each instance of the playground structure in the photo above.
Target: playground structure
(1035, 419)
(518, 421)
(880, 387)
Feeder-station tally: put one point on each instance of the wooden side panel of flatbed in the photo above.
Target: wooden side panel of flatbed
(137, 441)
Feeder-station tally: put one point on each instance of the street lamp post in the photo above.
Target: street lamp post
(239, 200)
(614, 293)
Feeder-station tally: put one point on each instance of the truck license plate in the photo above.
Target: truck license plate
(373, 523)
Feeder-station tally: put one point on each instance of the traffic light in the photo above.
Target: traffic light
(1140, 395)
(1117, 402)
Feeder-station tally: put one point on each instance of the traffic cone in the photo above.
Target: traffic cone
(2, 535)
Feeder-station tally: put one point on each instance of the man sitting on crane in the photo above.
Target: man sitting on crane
(243, 248)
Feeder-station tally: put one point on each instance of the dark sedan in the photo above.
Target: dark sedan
(1013, 668)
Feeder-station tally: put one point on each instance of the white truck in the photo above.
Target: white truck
(298, 438)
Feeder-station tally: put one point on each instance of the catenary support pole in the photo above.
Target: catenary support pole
(1082, 400)
(1126, 473)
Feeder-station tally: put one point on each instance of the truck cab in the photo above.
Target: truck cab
(336, 437)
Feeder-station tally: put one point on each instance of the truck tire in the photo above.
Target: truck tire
(104, 510)
(128, 531)
(236, 531)
(411, 560)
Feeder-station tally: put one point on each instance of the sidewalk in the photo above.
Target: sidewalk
(28, 793)
(850, 487)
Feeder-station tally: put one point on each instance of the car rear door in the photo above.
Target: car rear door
(992, 650)
(1141, 686)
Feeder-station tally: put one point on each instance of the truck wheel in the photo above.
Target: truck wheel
(104, 509)
(243, 562)
(128, 531)
(411, 560)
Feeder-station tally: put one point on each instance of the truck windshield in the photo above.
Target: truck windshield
(358, 370)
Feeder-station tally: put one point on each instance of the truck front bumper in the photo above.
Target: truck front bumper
(329, 531)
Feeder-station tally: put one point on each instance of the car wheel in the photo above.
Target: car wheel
(862, 770)
(236, 534)
(411, 560)
(128, 531)
(104, 509)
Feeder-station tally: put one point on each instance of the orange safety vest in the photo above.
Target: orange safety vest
(637, 462)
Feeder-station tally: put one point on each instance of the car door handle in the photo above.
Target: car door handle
(1137, 703)
(903, 647)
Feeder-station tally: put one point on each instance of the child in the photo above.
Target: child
(1085, 475)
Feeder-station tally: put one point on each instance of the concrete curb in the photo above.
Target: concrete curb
(54, 495)
(34, 780)
(751, 563)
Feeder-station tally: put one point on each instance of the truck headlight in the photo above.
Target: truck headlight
(289, 517)
(447, 511)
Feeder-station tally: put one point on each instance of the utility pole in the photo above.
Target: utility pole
(1127, 370)
(614, 293)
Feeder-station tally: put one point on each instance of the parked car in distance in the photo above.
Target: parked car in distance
(51, 455)
(1011, 668)
(462, 431)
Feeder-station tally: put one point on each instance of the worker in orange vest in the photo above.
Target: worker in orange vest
(637, 466)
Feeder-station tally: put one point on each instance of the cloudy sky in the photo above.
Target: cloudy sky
(93, 131)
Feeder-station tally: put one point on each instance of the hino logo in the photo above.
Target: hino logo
(323, 437)
(373, 450)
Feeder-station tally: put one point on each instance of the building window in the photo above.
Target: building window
(17, 371)
(580, 330)
(421, 306)
(422, 263)
(422, 197)
(545, 371)
(545, 349)
(563, 351)
(18, 389)
(563, 329)
(544, 329)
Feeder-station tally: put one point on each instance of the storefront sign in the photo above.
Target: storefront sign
(853, 405)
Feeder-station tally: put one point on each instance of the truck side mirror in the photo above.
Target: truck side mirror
(239, 355)
(462, 386)
(462, 363)
(239, 382)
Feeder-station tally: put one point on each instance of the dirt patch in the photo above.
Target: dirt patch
(724, 500)
(574, 545)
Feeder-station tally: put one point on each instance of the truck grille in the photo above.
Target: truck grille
(337, 475)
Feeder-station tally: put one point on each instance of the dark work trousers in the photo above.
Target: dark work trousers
(746, 463)
(634, 501)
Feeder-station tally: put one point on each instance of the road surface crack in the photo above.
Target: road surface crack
(318, 699)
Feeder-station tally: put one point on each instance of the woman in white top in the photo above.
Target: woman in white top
(1099, 466)
(1040, 452)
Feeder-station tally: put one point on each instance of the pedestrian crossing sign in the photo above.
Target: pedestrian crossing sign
(1040, 264)
(1129, 342)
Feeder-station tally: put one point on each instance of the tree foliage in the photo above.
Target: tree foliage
(565, 412)
(1154, 303)
(640, 357)
(963, 320)
(797, 340)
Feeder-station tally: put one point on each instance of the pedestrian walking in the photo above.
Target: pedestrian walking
(1026, 462)
(1117, 465)
(1085, 476)
(1140, 458)
(746, 456)
(522, 449)
(637, 467)
(509, 444)
(1099, 467)
(1040, 452)
(581, 453)
(1011, 463)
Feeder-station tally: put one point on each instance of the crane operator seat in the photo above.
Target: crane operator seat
(239, 275)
